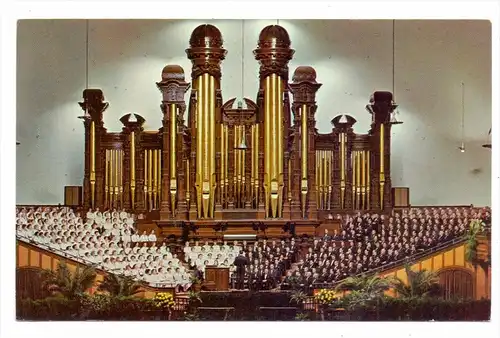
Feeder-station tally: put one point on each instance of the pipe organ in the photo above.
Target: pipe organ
(238, 160)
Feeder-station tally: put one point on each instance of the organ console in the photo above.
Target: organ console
(195, 170)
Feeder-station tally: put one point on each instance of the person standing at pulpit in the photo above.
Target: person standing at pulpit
(240, 262)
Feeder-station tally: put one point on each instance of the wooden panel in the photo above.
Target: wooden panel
(55, 263)
(71, 267)
(401, 197)
(34, 258)
(427, 264)
(460, 256)
(438, 262)
(415, 267)
(401, 274)
(448, 258)
(23, 256)
(46, 260)
(73, 195)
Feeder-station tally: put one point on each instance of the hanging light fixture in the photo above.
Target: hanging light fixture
(462, 144)
(395, 112)
(243, 144)
(488, 142)
(86, 115)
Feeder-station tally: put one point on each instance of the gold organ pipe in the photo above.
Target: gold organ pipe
(188, 182)
(279, 146)
(92, 163)
(115, 163)
(223, 156)
(326, 177)
(240, 164)
(342, 169)
(243, 167)
(106, 179)
(205, 151)
(110, 183)
(321, 187)
(155, 176)
(267, 143)
(368, 179)
(330, 181)
(353, 161)
(212, 145)
(289, 179)
(304, 136)
(226, 151)
(132, 170)
(382, 169)
(173, 155)
(363, 179)
(112, 178)
(358, 177)
(120, 178)
(235, 165)
(317, 179)
(146, 175)
(256, 147)
(150, 178)
(158, 183)
(199, 145)
(252, 164)
(274, 158)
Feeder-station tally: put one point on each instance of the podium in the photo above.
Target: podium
(218, 276)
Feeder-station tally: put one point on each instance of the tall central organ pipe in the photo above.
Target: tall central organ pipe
(206, 54)
(273, 53)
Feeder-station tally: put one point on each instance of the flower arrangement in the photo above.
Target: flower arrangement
(164, 300)
(325, 296)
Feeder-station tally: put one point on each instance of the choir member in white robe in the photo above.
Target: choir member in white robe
(187, 249)
(144, 248)
(135, 237)
(152, 236)
(144, 237)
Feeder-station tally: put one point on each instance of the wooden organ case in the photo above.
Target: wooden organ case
(191, 173)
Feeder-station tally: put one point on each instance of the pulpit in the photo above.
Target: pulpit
(218, 276)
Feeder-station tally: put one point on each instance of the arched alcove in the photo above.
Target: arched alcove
(456, 282)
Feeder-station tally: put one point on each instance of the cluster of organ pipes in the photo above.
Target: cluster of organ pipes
(324, 160)
(113, 180)
(193, 171)
(152, 178)
(360, 179)
(239, 181)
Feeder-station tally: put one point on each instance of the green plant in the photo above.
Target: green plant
(420, 283)
(298, 297)
(71, 286)
(194, 297)
(301, 317)
(371, 284)
(119, 286)
(365, 291)
(476, 226)
(194, 280)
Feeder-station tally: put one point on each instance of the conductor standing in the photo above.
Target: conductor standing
(240, 262)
